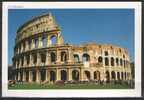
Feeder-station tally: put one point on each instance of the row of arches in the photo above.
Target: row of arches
(36, 41)
(75, 75)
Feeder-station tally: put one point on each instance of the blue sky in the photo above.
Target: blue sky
(103, 26)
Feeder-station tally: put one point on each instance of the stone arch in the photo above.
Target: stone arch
(87, 74)
(86, 57)
(33, 75)
(63, 56)
(34, 58)
(43, 74)
(43, 57)
(106, 61)
(53, 39)
(36, 42)
(27, 76)
(97, 75)
(63, 75)
(112, 61)
(75, 75)
(76, 58)
(121, 62)
(118, 75)
(113, 75)
(53, 57)
(100, 59)
(52, 76)
(117, 61)
(122, 76)
(44, 40)
(107, 76)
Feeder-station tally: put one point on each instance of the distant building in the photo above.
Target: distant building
(40, 55)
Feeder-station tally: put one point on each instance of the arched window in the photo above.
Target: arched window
(29, 43)
(100, 59)
(86, 57)
(63, 56)
(53, 40)
(121, 63)
(43, 58)
(44, 41)
(24, 46)
(76, 58)
(113, 75)
(22, 60)
(28, 59)
(106, 53)
(35, 58)
(106, 61)
(53, 57)
(36, 42)
(117, 61)
(112, 61)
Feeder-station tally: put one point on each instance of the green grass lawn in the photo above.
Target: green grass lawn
(69, 86)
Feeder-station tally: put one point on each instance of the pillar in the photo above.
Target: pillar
(69, 74)
(31, 60)
(33, 44)
(24, 76)
(69, 55)
(58, 56)
(38, 59)
(37, 76)
(47, 58)
(40, 42)
(81, 74)
(116, 78)
(47, 75)
(58, 75)
(18, 75)
(30, 76)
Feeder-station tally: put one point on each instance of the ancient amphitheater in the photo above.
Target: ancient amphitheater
(40, 55)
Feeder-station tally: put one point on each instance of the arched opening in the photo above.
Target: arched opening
(34, 76)
(52, 76)
(124, 63)
(121, 62)
(53, 57)
(63, 75)
(43, 57)
(106, 61)
(100, 59)
(43, 74)
(87, 74)
(118, 75)
(107, 76)
(112, 61)
(27, 76)
(76, 58)
(106, 53)
(29, 43)
(22, 61)
(113, 75)
(125, 76)
(75, 75)
(86, 57)
(53, 40)
(97, 75)
(44, 40)
(117, 61)
(21, 76)
(122, 75)
(63, 56)
(28, 59)
(34, 58)
(36, 42)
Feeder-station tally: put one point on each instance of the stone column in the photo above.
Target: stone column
(69, 56)
(40, 42)
(31, 60)
(38, 59)
(33, 44)
(48, 41)
(18, 75)
(25, 61)
(26, 45)
(91, 75)
(47, 58)
(58, 57)
(37, 76)
(116, 76)
(24, 76)
(69, 74)
(81, 74)
(57, 75)
(120, 75)
(47, 75)
(30, 76)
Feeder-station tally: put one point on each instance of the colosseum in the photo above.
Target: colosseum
(40, 55)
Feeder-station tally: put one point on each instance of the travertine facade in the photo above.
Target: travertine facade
(41, 55)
